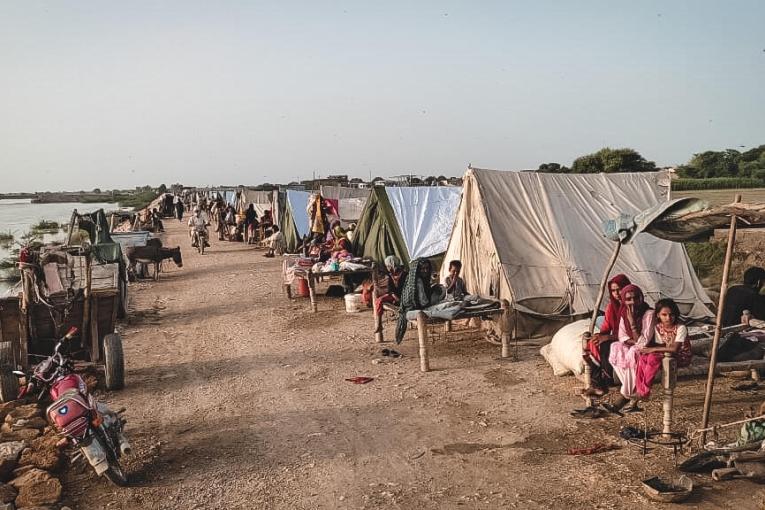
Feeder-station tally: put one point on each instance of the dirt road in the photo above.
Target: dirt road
(236, 399)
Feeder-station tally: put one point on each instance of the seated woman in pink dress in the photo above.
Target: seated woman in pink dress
(636, 330)
(671, 337)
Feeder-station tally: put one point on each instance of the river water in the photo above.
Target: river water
(17, 216)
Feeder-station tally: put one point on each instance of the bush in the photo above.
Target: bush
(46, 226)
(6, 238)
(716, 183)
(707, 258)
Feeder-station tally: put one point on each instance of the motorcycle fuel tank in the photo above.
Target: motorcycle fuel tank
(68, 383)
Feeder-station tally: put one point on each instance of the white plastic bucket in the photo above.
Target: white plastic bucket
(353, 303)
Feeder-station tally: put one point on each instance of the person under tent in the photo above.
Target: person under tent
(392, 286)
(636, 331)
(599, 346)
(454, 284)
(275, 243)
(670, 337)
(250, 224)
(745, 296)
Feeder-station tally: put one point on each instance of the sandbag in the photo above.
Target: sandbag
(564, 352)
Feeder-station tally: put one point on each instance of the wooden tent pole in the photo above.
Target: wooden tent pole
(718, 324)
(595, 308)
(71, 228)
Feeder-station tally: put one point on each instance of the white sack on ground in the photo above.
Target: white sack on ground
(564, 352)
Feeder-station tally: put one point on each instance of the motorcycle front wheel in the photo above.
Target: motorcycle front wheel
(115, 473)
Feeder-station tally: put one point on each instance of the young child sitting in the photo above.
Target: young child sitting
(671, 337)
(274, 242)
(455, 286)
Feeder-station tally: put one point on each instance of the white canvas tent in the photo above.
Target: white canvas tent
(536, 240)
(407, 222)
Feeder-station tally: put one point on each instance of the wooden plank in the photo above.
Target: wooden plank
(94, 339)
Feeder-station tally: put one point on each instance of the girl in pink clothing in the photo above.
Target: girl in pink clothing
(671, 338)
(636, 330)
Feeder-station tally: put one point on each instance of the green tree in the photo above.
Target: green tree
(612, 160)
(553, 168)
(162, 188)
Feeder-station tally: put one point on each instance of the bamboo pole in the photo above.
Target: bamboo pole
(586, 337)
(718, 324)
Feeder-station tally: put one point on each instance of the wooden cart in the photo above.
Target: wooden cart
(81, 293)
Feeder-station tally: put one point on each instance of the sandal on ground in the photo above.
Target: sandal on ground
(616, 407)
(594, 392)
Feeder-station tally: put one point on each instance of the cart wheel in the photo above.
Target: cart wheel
(114, 362)
(123, 300)
(9, 385)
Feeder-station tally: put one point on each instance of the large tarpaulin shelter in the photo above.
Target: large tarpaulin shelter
(407, 222)
(349, 202)
(294, 221)
(262, 200)
(536, 240)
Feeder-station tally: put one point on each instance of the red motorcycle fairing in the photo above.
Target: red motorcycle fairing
(67, 384)
(70, 415)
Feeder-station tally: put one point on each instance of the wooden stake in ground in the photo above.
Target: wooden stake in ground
(718, 325)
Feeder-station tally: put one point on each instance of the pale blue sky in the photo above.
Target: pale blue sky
(117, 94)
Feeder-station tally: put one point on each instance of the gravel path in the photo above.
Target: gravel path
(236, 399)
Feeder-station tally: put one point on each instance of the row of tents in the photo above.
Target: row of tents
(535, 239)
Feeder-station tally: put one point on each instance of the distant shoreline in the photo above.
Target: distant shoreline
(62, 197)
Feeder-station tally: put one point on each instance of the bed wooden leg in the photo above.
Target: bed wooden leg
(448, 327)
(504, 328)
(422, 334)
(668, 382)
(312, 292)
(377, 318)
(288, 290)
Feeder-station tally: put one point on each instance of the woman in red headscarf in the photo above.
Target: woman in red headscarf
(599, 347)
(636, 330)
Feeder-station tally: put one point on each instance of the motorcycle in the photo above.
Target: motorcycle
(200, 241)
(76, 415)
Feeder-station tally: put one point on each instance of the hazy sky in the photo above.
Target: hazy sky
(117, 94)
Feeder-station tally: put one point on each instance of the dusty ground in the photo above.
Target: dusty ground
(236, 399)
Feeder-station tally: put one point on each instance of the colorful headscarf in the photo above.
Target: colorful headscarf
(614, 307)
(640, 306)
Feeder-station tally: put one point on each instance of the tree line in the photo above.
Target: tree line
(727, 164)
